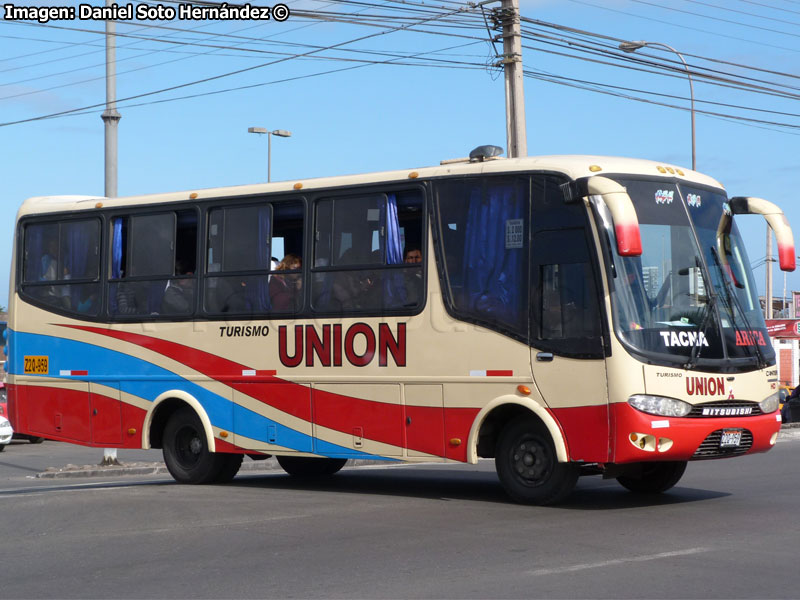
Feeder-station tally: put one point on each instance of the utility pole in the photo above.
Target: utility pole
(516, 138)
(768, 290)
(110, 116)
(111, 119)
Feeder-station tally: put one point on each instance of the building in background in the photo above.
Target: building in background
(785, 337)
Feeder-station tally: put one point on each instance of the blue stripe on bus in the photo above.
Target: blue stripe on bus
(146, 380)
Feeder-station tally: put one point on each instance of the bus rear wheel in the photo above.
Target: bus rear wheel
(187, 455)
(655, 477)
(527, 465)
(304, 466)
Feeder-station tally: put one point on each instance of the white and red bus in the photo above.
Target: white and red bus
(563, 315)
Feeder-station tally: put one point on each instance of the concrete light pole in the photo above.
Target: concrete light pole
(111, 119)
(512, 65)
(110, 116)
(269, 134)
(634, 46)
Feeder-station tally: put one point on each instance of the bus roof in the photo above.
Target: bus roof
(574, 166)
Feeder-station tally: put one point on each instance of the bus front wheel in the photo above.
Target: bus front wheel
(187, 455)
(303, 466)
(527, 465)
(656, 477)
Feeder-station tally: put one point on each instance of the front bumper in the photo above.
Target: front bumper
(638, 436)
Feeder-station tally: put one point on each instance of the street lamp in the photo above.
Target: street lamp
(279, 133)
(634, 46)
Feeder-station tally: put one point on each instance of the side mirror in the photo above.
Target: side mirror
(747, 205)
(620, 205)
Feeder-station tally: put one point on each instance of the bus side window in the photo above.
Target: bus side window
(149, 254)
(483, 225)
(368, 254)
(564, 304)
(62, 265)
(245, 270)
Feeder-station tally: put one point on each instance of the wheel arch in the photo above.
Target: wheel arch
(493, 417)
(163, 407)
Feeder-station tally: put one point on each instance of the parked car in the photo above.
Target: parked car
(790, 407)
(6, 432)
(4, 414)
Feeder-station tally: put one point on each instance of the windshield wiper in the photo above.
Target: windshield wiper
(709, 310)
(733, 301)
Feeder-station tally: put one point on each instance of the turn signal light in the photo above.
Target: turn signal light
(524, 389)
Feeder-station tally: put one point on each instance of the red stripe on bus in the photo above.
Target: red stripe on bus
(285, 399)
(499, 373)
(380, 421)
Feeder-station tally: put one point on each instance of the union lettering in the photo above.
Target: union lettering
(705, 386)
(358, 345)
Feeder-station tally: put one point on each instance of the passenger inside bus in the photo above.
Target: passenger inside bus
(179, 295)
(285, 289)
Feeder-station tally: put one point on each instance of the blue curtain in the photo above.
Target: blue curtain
(394, 288)
(258, 295)
(493, 281)
(79, 249)
(116, 249)
(394, 250)
(34, 252)
(116, 262)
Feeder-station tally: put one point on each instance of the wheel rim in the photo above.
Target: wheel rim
(188, 446)
(531, 462)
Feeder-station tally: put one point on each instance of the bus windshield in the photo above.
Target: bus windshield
(690, 297)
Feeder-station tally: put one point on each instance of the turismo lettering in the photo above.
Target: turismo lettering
(683, 338)
(332, 346)
(705, 386)
(244, 331)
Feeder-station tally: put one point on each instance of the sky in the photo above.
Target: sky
(406, 111)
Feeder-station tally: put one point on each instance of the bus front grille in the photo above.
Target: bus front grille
(710, 447)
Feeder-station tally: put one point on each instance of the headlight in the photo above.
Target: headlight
(658, 405)
(770, 403)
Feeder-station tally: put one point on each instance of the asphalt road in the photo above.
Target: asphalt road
(728, 530)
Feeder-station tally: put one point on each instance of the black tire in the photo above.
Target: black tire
(656, 477)
(3, 447)
(303, 466)
(186, 452)
(35, 439)
(230, 467)
(527, 465)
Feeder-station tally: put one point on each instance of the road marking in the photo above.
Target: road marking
(618, 561)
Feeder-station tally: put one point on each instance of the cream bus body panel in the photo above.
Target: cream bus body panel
(451, 369)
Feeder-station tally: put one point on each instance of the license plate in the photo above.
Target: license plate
(731, 438)
(36, 365)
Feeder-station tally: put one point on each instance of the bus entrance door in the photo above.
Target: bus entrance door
(567, 355)
(577, 395)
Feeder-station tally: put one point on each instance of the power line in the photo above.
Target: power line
(231, 73)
